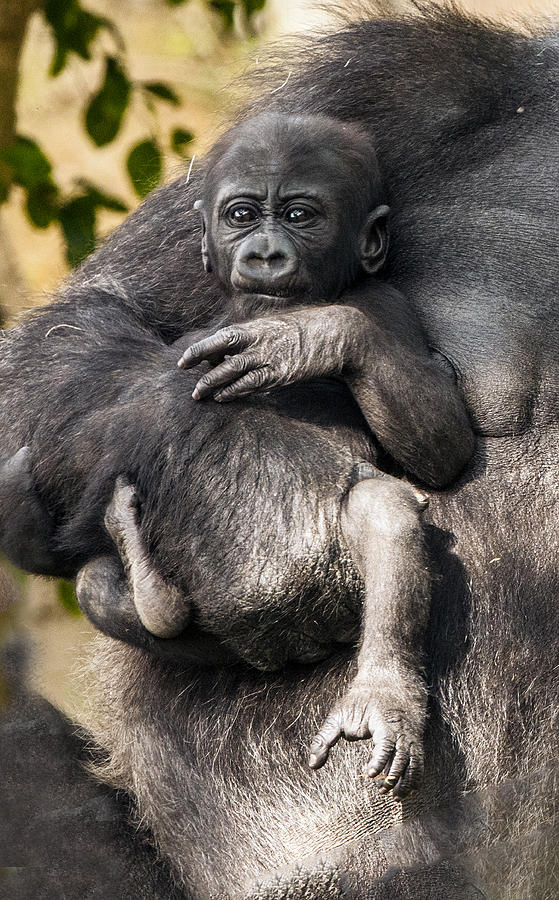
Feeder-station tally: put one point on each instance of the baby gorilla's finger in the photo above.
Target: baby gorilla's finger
(327, 737)
(384, 748)
(226, 373)
(254, 380)
(224, 341)
(412, 777)
(398, 766)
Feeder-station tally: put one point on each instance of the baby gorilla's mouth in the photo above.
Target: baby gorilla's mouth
(253, 304)
(272, 288)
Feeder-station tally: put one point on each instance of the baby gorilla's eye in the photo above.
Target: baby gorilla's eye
(299, 215)
(242, 215)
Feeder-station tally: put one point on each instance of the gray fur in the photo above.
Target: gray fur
(216, 761)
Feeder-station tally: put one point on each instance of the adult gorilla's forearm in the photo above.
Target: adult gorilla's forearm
(64, 373)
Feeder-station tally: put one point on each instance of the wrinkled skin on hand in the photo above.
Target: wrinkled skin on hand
(275, 350)
(365, 712)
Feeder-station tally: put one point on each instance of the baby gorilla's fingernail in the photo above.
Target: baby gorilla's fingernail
(195, 394)
(313, 760)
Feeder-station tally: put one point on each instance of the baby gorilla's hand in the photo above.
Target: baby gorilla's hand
(282, 349)
(397, 761)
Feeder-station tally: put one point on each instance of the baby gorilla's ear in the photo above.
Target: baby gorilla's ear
(199, 207)
(373, 240)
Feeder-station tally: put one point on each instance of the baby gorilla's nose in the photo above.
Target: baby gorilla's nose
(266, 262)
(263, 262)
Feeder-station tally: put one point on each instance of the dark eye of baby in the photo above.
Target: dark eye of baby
(298, 215)
(242, 215)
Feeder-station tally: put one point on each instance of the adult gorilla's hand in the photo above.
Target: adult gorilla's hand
(275, 350)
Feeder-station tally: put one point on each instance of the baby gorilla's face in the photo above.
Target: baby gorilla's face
(278, 232)
(282, 229)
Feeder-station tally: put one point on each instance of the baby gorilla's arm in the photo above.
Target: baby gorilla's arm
(374, 340)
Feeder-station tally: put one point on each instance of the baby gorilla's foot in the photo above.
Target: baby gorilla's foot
(395, 726)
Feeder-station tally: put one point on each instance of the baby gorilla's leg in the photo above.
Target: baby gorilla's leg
(126, 598)
(386, 701)
(159, 605)
(26, 528)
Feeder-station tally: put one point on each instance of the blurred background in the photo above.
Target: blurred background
(100, 102)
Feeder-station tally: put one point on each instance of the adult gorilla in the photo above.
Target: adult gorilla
(464, 118)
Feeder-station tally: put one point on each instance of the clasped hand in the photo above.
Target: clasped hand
(273, 350)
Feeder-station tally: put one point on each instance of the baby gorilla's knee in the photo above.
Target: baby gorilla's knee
(387, 506)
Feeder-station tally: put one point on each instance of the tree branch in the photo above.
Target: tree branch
(14, 15)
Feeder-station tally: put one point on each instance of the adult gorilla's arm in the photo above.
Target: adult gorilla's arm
(371, 337)
(145, 279)
(63, 367)
(63, 372)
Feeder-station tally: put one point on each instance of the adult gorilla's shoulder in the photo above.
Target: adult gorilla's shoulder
(440, 76)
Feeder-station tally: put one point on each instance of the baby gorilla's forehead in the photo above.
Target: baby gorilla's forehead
(280, 152)
(266, 172)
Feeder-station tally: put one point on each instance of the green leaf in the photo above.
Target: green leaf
(32, 171)
(162, 91)
(176, 2)
(5, 184)
(179, 139)
(252, 6)
(74, 30)
(59, 60)
(100, 199)
(104, 114)
(145, 166)
(67, 597)
(226, 9)
(42, 205)
(77, 218)
(29, 164)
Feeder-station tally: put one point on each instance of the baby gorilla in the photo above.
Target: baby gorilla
(292, 217)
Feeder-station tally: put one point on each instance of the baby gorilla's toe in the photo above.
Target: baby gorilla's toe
(397, 761)
(120, 516)
(404, 770)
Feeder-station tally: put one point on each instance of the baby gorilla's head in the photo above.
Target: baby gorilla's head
(292, 209)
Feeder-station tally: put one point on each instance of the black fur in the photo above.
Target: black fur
(276, 555)
(465, 121)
